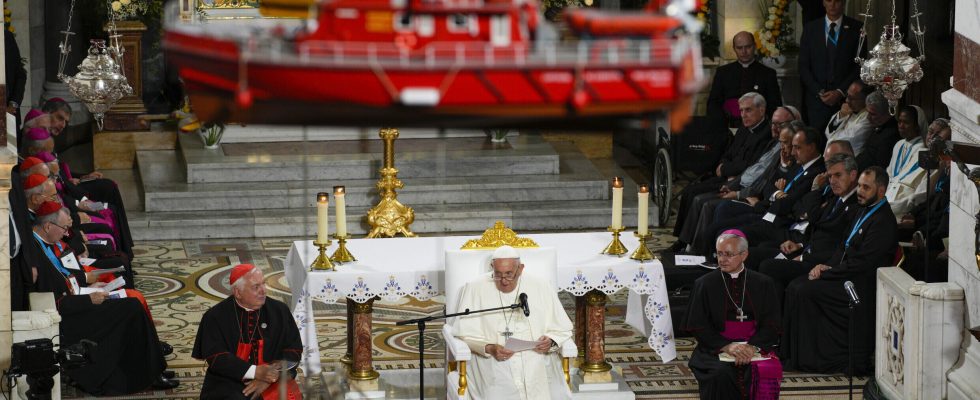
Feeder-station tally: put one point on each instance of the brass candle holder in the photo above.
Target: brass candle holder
(322, 262)
(342, 255)
(642, 253)
(615, 247)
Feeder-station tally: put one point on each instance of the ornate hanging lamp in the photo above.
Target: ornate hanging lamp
(890, 68)
(100, 81)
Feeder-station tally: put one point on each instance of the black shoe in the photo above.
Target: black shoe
(169, 374)
(166, 348)
(162, 383)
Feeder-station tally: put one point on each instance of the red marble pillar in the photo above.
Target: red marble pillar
(361, 368)
(348, 358)
(595, 315)
(580, 326)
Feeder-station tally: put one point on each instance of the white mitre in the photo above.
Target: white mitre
(505, 252)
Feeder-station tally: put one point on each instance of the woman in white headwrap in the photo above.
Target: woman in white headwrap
(906, 179)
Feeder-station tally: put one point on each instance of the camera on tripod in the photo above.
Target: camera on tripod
(38, 359)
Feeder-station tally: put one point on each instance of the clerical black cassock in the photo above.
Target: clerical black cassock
(815, 322)
(231, 339)
(733, 80)
(128, 358)
(711, 316)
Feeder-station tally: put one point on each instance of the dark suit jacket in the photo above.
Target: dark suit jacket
(879, 145)
(828, 228)
(729, 83)
(783, 208)
(819, 68)
(746, 148)
(872, 246)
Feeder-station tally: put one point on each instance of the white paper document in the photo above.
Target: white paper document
(108, 288)
(99, 272)
(516, 345)
(87, 261)
(688, 260)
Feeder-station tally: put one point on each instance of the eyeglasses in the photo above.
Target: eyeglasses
(65, 228)
(728, 254)
(510, 276)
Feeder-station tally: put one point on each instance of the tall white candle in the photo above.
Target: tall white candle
(322, 217)
(643, 213)
(341, 205)
(617, 210)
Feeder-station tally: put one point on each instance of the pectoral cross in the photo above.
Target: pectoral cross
(741, 316)
(507, 333)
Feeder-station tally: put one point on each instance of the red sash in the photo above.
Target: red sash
(272, 392)
(766, 374)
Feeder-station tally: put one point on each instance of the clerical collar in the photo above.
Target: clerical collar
(243, 307)
(746, 65)
(735, 274)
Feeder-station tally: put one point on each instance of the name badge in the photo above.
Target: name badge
(75, 289)
(69, 261)
(770, 217)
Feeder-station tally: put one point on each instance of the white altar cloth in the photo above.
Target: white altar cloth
(396, 267)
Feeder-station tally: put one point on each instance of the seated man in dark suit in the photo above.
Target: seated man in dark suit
(746, 147)
(880, 143)
(827, 50)
(815, 317)
(815, 239)
(746, 74)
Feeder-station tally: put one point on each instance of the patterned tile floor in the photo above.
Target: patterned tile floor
(182, 279)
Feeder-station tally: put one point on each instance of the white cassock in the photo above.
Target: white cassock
(527, 375)
(906, 180)
(853, 128)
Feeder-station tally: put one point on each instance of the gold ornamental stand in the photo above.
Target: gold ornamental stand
(615, 247)
(322, 262)
(342, 255)
(642, 253)
(389, 217)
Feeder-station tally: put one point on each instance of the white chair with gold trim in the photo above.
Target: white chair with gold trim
(463, 266)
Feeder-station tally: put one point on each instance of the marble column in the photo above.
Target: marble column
(595, 352)
(963, 101)
(580, 327)
(348, 356)
(361, 368)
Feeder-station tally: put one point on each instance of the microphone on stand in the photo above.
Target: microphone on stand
(849, 287)
(522, 299)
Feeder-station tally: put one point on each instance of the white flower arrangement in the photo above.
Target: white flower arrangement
(128, 9)
(776, 35)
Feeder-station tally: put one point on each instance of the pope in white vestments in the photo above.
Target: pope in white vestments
(498, 373)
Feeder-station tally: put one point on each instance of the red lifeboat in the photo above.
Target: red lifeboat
(460, 63)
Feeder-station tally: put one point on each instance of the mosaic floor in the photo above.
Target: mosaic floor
(182, 279)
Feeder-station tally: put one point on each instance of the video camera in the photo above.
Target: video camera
(38, 359)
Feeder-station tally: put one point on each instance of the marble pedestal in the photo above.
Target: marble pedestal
(117, 149)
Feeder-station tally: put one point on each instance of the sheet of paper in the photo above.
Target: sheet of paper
(680, 259)
(89, 290)
(115, 284)
(770, 217)
(780, 256)
(86, 261)
(728, 358)
(99, 272)
(518, 344)
(118, 294)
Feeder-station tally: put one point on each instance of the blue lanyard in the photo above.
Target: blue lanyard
(899, 166)
(51, 257)
(861, 222)
(790, 185)
(939, 184)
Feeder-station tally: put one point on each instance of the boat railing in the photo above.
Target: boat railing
(592, 53)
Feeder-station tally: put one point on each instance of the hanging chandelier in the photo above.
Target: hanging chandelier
(890, 68)
(100, 81)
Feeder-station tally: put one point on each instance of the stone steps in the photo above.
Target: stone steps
(446, 218)
(164, 188)
(524, 157)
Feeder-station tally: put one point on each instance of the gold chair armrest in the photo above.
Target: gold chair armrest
(462, 378)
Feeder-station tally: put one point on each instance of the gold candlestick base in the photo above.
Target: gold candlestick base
(322, 262)
(615, 248)
(342, 255)
(642, 253)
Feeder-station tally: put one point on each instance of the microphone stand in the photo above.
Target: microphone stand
(421, 325)
(850, 348)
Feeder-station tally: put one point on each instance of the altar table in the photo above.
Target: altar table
(396, 267)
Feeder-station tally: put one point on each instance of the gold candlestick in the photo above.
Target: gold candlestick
(390, 217)
(642, 253)
(322, 262)
(342, 255)
(615, 247)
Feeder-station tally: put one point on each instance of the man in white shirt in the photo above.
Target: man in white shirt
(499, 373)
(851, 122)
